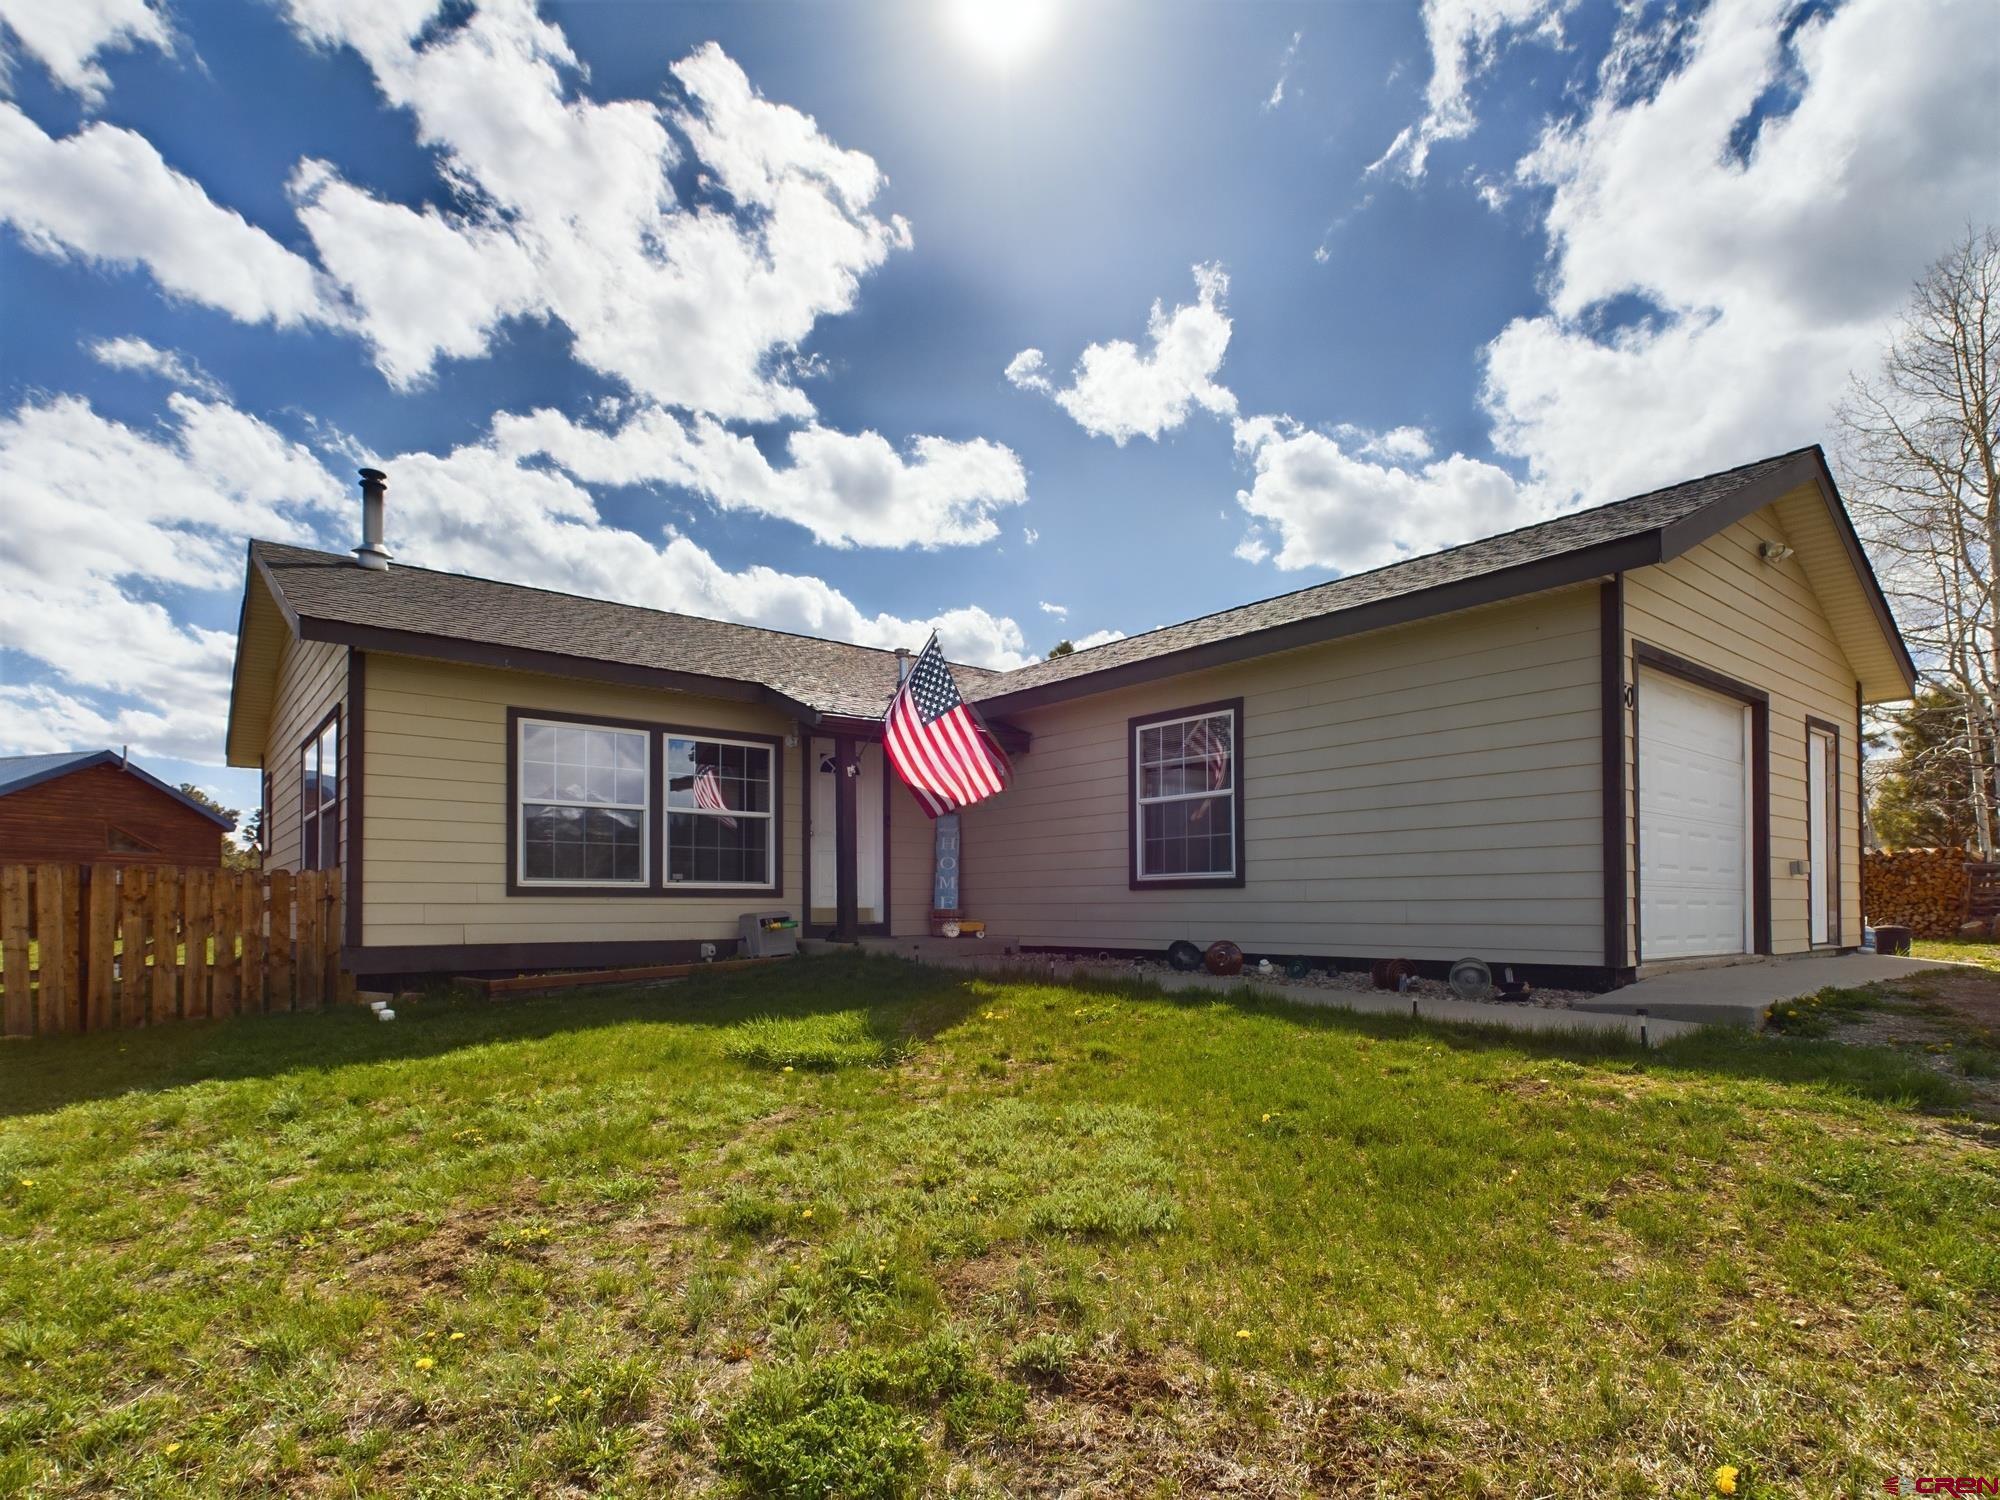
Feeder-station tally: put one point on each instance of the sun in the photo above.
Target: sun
(1001, 33)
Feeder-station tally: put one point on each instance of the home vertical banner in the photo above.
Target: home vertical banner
(945, 867)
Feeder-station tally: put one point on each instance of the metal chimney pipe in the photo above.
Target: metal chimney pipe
(371, 553)
(902, 663)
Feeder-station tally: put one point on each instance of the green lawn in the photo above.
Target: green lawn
(1982, 951)
(908, 1231)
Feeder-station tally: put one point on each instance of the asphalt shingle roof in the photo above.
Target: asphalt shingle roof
(834, 677)
(19, 772)
(1567, 533)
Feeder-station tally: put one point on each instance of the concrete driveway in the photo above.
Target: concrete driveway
(1739, 994)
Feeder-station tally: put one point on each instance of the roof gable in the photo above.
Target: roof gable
(19, 772)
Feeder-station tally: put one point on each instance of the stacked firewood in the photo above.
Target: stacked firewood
(1925, 890)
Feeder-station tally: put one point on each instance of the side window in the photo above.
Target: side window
(319, 797)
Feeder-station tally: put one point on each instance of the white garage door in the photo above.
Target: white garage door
(1694, 821)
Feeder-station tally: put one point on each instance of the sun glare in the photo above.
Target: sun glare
(1001, 33)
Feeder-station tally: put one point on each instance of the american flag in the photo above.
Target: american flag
(936, 744)
(708, 793)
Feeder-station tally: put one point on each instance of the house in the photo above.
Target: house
(96, 807)
(1629, 735)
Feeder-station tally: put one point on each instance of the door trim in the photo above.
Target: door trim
(1834, 930)
(1759, 703)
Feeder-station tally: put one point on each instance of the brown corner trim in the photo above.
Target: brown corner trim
(1759, 701)
(1234, 881)
(1834, 927)
(356, 732)
(1611, 676)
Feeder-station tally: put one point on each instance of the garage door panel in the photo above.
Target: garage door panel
(1693, 825)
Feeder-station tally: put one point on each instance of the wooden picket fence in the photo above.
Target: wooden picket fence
(96, 947)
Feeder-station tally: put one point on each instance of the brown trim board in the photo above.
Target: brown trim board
(512, 958)
(1233, 706)
(1759, 701)
(1611, 705)
(355, 742)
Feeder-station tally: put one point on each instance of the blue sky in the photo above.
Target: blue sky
(864, 319)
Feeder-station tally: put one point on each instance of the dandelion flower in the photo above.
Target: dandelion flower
(1725, 1480)
(787, 1068)
(805, 1213)
(171, 1449)
(1243, 1333)
(1267, 1117)
(27, 1182)
(975, 1197)
(456, 1337)
(425, 1363)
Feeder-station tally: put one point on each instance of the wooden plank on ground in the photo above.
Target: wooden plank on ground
(55, 915)
(166, 985)
(101, 950)
(250, 918)
(226, 904)
(17, 1011)
(535, 983)
(135, 933)
(278, 988)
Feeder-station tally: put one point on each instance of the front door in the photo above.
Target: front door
(1820, 833)
(868, 791)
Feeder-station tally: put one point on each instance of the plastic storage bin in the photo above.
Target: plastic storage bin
(767, 934)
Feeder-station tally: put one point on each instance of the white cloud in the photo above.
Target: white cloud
(136, 355)
(569, 213)
(1060, 611)
(1397, 445)
(112, 526)
(1097, 638)
(1463, 37)
(1030, 536)
(1774, 266)
(1332, 509)
(847, 489)
(65, 36)
(105, 522)
(1118, 391)
(1291, 55)
(107, 195)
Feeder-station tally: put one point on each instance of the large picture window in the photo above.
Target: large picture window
(1187, 797)
(584, 795)
(720, 827)
(319, 797)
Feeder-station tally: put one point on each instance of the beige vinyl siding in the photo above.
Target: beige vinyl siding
(1721, 605)
(311, 683)
(910, 861)
(435, 813)
(1428, 791)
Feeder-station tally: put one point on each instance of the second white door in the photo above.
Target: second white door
(1694, 821)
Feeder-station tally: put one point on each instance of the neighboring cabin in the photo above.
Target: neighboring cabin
(1626, 735)
(96, 807)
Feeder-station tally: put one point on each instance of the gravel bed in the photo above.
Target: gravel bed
(1327, 979)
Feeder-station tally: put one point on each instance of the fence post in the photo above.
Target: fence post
(101, 948)
(279, 954)
(134, 882)
(18, 1018)
(166, 942)
(250, 915)
(223, 905)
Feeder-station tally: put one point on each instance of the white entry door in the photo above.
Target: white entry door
(1820, 832)
(868, 829)
(1694, 821)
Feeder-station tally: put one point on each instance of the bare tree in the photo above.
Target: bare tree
(1920, 446)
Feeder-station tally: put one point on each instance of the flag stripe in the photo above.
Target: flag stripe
(936, 743)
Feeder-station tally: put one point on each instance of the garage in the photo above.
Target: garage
(1696, 835)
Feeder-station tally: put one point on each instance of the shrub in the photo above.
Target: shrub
(839, 1445)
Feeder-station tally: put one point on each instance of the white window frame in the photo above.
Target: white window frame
(668, 811)
(1140, 801)
(522, 800)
